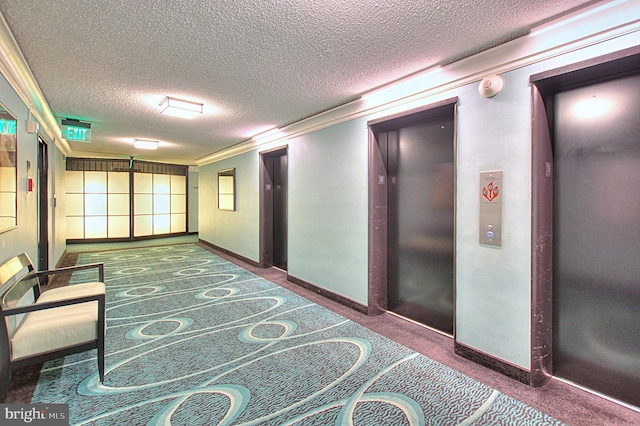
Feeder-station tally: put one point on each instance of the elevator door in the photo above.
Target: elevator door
(596, 274)
(421, 222)
(43, 205)
(273, 209)
(280, 212)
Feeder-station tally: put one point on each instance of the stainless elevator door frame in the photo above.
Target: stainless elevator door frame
(273, 208)
(379, 202)
(617, 65)
(43, 204)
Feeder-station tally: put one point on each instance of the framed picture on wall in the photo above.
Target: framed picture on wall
(227, 189)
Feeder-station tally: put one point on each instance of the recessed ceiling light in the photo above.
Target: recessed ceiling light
(180, 107)
(145, 144)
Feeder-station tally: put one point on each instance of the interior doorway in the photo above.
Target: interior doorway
(593, 202)
(273, 208)
(43, 205)
(412, 192)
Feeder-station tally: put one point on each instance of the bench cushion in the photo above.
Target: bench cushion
(71, 291)
(55, 328)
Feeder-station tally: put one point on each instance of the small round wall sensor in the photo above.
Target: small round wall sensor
(490, 85)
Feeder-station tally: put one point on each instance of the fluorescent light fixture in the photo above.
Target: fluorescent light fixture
(145, 144)
(572, 17)
(180, 107)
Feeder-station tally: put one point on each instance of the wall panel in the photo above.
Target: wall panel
(99, 202)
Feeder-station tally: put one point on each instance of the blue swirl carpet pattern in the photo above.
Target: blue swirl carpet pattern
(193, 339)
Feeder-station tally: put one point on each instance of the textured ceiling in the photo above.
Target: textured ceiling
(255, 64)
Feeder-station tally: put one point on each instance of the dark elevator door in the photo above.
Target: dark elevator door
(596, 277)
(273, 209)
(280, 212)
(421, 221)
(43, 205)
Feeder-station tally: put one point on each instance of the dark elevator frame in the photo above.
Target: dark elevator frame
(43, 204)
(544, 86)
(378, 205)
(267, 207)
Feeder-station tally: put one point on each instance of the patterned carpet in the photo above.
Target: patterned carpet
(193, 339)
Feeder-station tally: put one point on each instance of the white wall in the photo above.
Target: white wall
(236, 231)
(327, 208)
(327, 211)
(493, 283)
(24, 238)
(193, 199)
(57, 210)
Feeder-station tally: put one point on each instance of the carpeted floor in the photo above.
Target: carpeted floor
(194, 339)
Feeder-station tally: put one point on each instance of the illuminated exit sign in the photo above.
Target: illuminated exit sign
(73, 133)
(74, 130)
(7, 127)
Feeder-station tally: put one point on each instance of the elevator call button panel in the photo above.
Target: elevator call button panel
(491, 193)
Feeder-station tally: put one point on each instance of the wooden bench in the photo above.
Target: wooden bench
(37, 325)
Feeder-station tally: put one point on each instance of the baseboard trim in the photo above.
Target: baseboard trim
(297, 281)
(495, 364)
(328, 294)
(229, 253)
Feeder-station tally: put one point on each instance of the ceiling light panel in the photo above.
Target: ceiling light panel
(180, 108)
(145, 144)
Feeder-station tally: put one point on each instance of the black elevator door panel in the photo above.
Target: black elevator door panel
(43, 203)
(280, 212)
(597, 237)
(421, 222)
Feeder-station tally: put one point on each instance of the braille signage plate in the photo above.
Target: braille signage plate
(491, 193)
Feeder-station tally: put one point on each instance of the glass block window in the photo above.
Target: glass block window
(101, 194)
(97, 204)
(160, 204)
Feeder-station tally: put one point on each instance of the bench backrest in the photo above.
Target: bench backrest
(17, 282)
(14, 266)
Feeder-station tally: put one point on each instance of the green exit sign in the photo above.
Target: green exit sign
(74, 130)
(80, 134)
(7, 127)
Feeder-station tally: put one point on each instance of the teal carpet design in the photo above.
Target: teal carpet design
(193, 339)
